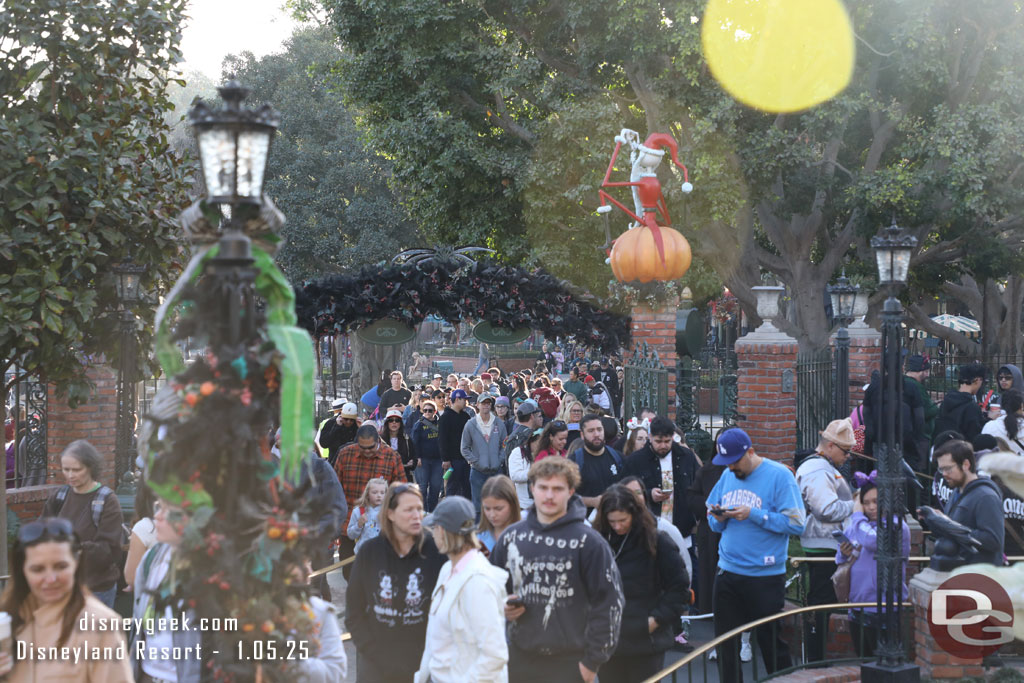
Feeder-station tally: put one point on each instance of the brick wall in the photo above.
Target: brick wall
(768, 408)
(27, 502)
(658, 329)
(865, 356)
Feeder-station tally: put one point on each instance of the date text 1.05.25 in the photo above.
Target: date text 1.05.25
(272, 650)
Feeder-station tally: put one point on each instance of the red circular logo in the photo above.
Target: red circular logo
(970, 616)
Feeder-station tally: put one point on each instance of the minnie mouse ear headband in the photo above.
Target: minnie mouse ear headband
(636, 423)
(859, 478)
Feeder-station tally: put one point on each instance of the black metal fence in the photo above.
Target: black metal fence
(645, 382)
(27, 407)
(815, 377)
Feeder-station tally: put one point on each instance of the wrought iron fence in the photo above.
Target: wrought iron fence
(944, 369)
(815, 375)
(27, 409)
(706, 391)
(645, 382)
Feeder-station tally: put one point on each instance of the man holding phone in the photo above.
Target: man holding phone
(756, 506)
(666, 469)
(829, 503)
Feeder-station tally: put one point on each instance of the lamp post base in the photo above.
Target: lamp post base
(876, 672)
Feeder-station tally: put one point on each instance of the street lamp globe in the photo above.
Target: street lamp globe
(233, 146)
(844, 298)
(892, 252)
(127, 280)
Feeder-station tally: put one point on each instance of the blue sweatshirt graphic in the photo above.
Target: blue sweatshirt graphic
(758, 545)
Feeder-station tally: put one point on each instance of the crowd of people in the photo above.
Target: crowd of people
(545, 536)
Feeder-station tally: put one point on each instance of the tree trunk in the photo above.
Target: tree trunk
(370, 360)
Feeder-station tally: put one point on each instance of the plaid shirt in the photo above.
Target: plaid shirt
(355, 468)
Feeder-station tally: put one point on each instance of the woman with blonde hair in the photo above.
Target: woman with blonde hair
(388, 596)
(571, 412)
(499, 509)
(465, 638)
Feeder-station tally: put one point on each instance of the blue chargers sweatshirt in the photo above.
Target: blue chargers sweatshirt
(758, 545)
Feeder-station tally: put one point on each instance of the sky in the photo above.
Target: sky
(218, 28)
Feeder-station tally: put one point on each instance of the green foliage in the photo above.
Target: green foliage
(334, 192)
(87, 178)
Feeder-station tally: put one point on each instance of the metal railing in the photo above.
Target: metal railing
(814, 395)
(672, 670)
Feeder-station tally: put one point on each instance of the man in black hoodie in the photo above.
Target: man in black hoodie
(959, 410)
(449, 435)
(566, 595)
(976, 502)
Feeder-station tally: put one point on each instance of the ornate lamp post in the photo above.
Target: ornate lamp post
(844, 297)
(127, 278)
(892, 251)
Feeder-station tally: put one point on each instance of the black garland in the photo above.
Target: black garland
(505, 296)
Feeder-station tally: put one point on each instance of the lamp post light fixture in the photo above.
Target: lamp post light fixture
(844, 296)
(892, 252)
(233, 146)
(234, 143)
(127, 281)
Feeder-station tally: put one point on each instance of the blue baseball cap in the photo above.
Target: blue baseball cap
(459, 393)
(732, 445)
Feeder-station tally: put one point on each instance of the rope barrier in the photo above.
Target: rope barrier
(336, 565)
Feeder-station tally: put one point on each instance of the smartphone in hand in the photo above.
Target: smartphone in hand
(514, 601)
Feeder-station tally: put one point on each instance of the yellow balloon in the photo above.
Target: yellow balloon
(779, 55)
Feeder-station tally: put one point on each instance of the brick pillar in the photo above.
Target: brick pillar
(94, 420)
(767, 391)
(865, 356)
(658, 329)
(936, 664)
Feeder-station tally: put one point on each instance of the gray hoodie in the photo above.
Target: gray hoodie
(828, 499)
(1018, 379)
(482, 454)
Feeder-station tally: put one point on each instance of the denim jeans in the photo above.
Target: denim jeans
(108, 596)
(476, 482)
(428, 476)
(458, 483)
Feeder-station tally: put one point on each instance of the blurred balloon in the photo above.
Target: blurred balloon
(779, 55)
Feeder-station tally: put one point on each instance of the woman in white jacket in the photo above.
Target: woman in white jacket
(466, 628)
(519, 461)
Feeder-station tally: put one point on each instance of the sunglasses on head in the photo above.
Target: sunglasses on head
(54, 528)
(558, 424)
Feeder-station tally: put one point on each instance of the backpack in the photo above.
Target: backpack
(578, 456)
(97, 511)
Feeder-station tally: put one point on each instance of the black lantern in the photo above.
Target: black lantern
(843, 296)
(892, 252)
(233, 146)
(127, 280)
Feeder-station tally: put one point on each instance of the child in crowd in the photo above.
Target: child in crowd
(499, 510)
(364, 523)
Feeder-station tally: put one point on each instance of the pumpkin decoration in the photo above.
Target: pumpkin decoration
(637, 255)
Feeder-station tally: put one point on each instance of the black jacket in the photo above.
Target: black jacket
(646, 465)
(707, 540)
(387, 603)
(913, 435)
(449, 433)
(565, 574)
(979, 507)
(654, 587)
(961, 412)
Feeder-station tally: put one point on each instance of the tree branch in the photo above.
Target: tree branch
(504, 122)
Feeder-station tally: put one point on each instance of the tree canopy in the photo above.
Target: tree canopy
(87, 177)
(500, 116)
(341, 212)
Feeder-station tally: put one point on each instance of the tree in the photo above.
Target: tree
(527, 96)
(87, 178)
(334, 192)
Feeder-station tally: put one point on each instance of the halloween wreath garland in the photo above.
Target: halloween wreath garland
(506, 296)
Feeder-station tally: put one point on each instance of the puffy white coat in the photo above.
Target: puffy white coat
(466, 629)
(828, 499)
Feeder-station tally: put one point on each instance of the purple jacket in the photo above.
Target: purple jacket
(864, 573)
